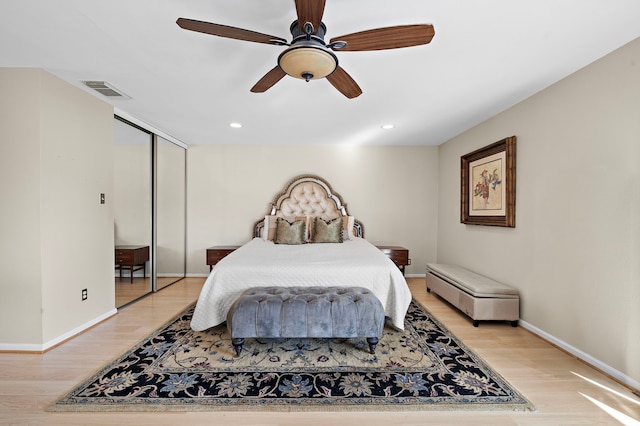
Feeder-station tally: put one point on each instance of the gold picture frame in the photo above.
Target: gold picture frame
(488, 185)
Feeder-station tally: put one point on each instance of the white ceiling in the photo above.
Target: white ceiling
(486, 56)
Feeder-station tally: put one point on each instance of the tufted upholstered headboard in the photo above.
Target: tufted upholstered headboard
(308, 195)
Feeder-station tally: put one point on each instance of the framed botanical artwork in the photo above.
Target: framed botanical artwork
(488, 185)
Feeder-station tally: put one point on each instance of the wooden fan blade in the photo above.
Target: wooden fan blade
(387, 38)
(310, 11)
(229, 32)
(344, 83)
(269, 79)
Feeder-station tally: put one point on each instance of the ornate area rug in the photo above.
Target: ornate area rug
(424, 367)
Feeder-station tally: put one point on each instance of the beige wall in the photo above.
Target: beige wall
(575, 253)
(392, 190)
(57, 157)
(20, 266)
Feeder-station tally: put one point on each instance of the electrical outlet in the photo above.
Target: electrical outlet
(84, 294)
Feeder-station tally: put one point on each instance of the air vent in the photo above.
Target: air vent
(105, 89)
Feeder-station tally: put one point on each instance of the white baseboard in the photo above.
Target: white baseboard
(25, 347)
(20, 347)
(621, 377)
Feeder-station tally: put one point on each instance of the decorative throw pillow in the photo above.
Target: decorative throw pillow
(270, 223)
(327, 232)
(290, 233)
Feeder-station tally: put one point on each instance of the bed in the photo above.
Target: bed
(308, 238)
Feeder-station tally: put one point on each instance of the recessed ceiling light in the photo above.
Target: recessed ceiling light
(388, 126)
(235, 125)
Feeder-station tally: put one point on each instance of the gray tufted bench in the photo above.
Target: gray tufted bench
(271, 312)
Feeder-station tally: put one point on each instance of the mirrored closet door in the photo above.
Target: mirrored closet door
(149, 211)
(132, 212)
(170, 214)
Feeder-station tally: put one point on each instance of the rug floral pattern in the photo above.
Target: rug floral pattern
(423, 367)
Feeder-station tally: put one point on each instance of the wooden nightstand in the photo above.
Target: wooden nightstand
(133, 258)
(216, 253)
(399, 255)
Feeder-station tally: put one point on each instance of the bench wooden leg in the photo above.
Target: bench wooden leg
(476, 323)
(237, 344)
(373, 342)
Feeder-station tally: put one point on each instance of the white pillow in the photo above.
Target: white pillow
(347, 227)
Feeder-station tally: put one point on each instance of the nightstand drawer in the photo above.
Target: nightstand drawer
(399, 257)
(124, 257)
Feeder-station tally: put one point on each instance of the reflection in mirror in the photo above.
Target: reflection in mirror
(132, 212)
(170, 212)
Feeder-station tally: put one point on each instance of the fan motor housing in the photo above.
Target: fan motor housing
(298, 32)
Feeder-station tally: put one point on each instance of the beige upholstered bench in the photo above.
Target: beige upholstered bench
(480, 297)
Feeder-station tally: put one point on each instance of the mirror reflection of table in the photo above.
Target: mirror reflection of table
(132, 258)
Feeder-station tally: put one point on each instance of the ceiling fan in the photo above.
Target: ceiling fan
(308, 57)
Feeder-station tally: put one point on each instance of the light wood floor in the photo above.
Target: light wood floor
(564, 390)
(127, 291)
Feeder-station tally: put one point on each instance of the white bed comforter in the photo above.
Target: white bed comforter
(261, 263)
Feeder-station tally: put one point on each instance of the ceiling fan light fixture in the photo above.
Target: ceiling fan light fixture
(308, 56)
(308, 61)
